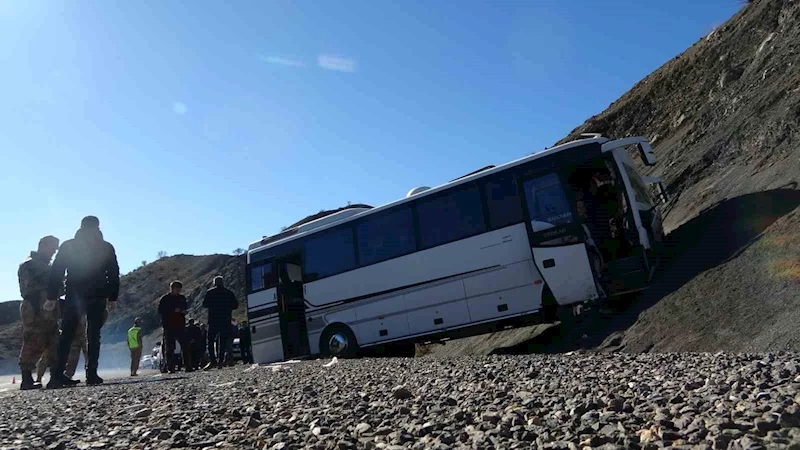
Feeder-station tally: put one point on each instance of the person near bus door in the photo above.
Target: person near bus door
(221, 303)
(92, 277)
(39, 324)
(172, 309)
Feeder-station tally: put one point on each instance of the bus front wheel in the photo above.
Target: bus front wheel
(339, 341)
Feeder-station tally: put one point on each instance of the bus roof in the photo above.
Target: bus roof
(462, 180)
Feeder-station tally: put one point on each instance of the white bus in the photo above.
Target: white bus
(567, 225)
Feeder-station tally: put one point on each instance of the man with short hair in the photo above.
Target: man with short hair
(172, 309)
(135, 345)
(39, 320)
(220, 303)
(92, 286)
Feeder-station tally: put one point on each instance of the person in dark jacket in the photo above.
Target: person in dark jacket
(172, 309)
(92, 287)
(220, 303)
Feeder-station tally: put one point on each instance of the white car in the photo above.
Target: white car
(148, 362)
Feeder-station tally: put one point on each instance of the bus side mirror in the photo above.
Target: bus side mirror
(646, 153)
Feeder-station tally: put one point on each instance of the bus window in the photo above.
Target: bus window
(547, 201)
(385, 236)
(449, 217)
(503, 202)
(261, 277)
(329, 253)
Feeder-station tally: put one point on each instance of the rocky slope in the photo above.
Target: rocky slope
(724, 117)
(698, 401)
(725, 120)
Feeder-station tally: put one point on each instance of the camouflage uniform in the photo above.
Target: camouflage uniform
(39, 327)
(78, 345)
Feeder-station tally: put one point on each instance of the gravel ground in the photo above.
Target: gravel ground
(565, 402)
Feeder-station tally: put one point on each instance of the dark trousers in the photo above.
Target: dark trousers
(171, 335)
(74, 307)
(220, 335)
(247, 354)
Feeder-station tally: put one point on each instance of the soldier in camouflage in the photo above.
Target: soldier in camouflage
(39, 326)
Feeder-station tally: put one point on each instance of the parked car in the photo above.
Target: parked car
(148, 362)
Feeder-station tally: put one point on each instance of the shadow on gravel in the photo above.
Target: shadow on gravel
(720, 233)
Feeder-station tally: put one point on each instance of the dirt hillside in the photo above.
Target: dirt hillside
(724, 118)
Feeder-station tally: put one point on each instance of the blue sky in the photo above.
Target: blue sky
(196, 128)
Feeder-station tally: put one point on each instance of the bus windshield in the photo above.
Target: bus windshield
(547, 202)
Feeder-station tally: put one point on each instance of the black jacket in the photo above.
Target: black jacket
(91, 266)
(195, 335)
(221, 303)
(172, 309)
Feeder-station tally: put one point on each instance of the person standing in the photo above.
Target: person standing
(196, 343)
(203, 346)
(39, 319)
(220, 303)
(172, 309)
(244, 343)
(92, 287)
(135, 345)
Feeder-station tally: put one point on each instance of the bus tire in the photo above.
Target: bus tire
(338, 340)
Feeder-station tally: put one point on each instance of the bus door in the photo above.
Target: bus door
(557, 239)
(292, 310)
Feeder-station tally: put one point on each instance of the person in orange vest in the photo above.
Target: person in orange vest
(135, 345)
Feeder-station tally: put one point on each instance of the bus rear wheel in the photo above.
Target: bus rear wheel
(339, 341)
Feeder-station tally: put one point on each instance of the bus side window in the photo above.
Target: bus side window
(450, 216)
(329, 253)
(385, 236)
(257, 277)
(503, 201)
(261, 277)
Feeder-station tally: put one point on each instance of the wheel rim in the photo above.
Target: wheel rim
(338, 343)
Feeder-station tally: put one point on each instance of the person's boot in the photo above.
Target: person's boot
(92, 378)
(27, 382)
(208, 366)
(58, 381)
